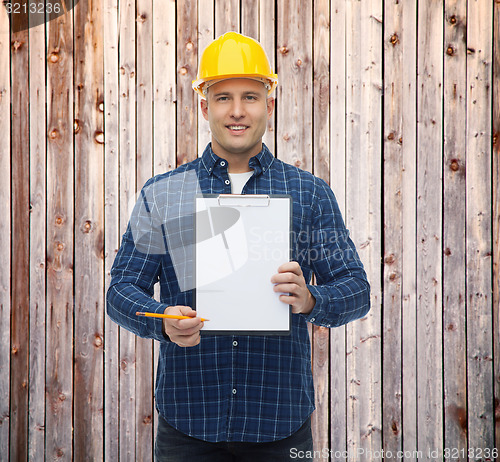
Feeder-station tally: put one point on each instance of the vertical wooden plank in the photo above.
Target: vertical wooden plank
(5, 232)
(429, 228)
(338, 390)
(409, 212)
(227, 16)
(496, 215)
(127, 188)
(393, 223)
(164, 96)
(37, 259)
(267, 38)
(20, 242)
(206, 31)
(480, 429)
(294, 121)
(187, 65)
(144, 407)
(250, 18)
(164, 105)
(454, 188)
(60, 219)
(111, 220)
(363, 205)
(89, 231)
(321, 158)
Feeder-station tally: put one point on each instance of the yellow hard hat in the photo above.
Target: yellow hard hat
(233, 55)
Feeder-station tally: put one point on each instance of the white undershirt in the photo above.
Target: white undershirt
(238, 180)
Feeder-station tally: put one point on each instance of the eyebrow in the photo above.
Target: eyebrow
(226, 93)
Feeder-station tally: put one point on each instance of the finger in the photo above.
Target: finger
(286, 288)
(290, 266)
(285, 277)
(289, 299)
(187, 326)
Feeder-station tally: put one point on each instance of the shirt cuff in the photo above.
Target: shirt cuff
(318, 315)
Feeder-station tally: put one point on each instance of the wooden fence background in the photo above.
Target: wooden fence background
(395, 103)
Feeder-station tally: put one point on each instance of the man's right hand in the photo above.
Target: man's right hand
(183, 332)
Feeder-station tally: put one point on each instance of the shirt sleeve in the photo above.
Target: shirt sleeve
(135, 271)
(342, 292)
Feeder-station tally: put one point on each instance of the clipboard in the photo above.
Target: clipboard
(241, 240)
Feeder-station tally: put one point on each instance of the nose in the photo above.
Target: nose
(237, 109)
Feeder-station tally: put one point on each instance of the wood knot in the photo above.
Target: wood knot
(76, 126)
(183, 70)
(54, 134)
(14, 350)
(297, 163)
(453, 19)
(62, 397)
(16, 44)
(283, 50)
(59, 220)
(97, 340)
(189, 45)
(470, 51)
(454, 165)
(100, 106)
(298, 62)
(147, 420)
(392, 277)
(60, 246)
(447, 251)
(141, 18)
(99, 137)
(394, 39)
(54, 57)
(391, 136)
(450, 51)
(394, 427)
(87, 226)
(390, 259)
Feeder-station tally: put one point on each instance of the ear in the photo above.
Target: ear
(270, 107)
(204, 108)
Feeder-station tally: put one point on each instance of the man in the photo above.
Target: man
(226, 397)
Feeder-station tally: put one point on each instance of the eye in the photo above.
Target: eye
(251, 97)
(221, 98)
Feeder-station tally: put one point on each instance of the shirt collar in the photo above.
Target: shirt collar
(260, 163)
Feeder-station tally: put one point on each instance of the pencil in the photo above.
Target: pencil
(161, 315)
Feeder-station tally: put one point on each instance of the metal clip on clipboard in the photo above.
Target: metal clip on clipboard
(243, 200)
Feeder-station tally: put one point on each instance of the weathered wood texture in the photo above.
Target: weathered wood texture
(395, 106)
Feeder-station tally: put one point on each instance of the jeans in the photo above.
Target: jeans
(173, 446)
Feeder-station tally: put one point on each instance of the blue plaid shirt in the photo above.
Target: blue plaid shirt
(244, 388)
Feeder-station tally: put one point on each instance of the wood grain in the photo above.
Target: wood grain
(144, 406)
(393, 224)
(5, 234)
(496, 214)
(111, 220)
(363, 219)
(429, 228)
(294, 63)
(454, 249)
(20, 243)
(60, 239)
(321, 157)
(89, 232)
(37, 234)
(127, 194)
(478, 227)
(187, 65)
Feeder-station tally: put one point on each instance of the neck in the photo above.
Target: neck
(237, 162)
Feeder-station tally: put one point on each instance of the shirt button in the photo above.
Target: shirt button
(235, 343)
(227, 182)
(222, 164)
(312, 319)
(234, 391)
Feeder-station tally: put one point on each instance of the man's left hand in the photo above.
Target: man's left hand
(290, 281)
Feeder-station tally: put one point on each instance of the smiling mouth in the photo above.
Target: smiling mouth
(237, 128)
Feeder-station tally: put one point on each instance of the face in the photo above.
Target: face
(237, 111)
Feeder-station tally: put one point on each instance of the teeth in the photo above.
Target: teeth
(237, 127)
